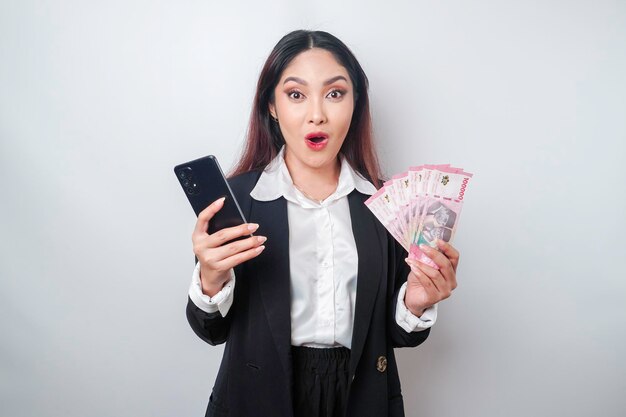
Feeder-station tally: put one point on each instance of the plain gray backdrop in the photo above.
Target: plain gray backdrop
(100, 99)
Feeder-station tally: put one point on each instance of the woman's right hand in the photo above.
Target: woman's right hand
(216, 260)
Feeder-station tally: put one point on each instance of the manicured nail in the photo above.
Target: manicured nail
(220, 200)
(261, 239)
(252, 227)
(260, 249)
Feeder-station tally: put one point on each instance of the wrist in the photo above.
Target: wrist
(417, 312)
(414, 308)
(211, 287)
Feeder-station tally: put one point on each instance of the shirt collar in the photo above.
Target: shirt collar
(275, 182)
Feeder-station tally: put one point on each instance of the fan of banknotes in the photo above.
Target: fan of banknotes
(421, 205)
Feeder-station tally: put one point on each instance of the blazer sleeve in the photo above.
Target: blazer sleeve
(398, 272)
(210, 327)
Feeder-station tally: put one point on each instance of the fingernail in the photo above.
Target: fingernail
(252, 227)
(409, 261)
(425, 248)
(260, 249)
(261, 239)
(220, 200)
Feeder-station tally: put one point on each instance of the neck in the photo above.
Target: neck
(313, 178)
(302, 174)
(316, 183)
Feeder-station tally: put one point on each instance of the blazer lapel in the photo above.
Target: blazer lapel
(272, 272)
(367, 236)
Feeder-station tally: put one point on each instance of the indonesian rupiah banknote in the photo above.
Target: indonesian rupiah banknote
(421, 205)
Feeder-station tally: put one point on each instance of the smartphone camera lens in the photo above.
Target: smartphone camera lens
(185, 173)
(192, 189)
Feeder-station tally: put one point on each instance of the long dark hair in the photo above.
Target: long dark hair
(264, 138)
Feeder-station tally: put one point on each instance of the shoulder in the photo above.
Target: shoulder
(244, 183)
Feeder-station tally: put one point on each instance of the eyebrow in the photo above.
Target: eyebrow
(327, 82)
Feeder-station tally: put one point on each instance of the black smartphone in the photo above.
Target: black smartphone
(203, 182)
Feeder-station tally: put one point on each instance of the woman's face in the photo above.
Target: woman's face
(313, 102)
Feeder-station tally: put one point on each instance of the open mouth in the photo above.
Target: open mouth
(317, 139)
(316, 142)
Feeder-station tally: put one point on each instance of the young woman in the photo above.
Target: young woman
(313, 305)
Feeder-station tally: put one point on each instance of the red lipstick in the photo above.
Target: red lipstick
(316, 140)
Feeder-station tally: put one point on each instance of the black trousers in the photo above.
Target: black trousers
(320, 381)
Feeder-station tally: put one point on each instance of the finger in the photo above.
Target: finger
(449, 251)
(207, 214)
(205, 250)
(437, 257)
(238, 246)
(233, 261)
(430, 272)
(448, 272)
(200, 243)
(229, 233)
(427, 283)
(443, 278)
(444, 287)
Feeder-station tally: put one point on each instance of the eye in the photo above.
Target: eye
(295, 95)
(336, 94)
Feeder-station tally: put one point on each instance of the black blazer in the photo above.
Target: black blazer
(255, 376)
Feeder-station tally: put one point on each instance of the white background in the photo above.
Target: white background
(99, 100)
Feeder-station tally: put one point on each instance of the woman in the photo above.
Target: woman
(323, 292)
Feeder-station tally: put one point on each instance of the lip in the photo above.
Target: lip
(316, 135)
(316, 146)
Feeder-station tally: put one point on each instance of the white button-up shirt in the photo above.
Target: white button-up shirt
(323, 262)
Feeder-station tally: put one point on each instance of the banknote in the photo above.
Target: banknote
(440, 211)
(381, 205)
(420, 205)
(400, 189)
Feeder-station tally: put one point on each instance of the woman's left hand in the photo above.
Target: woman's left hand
(427, 286)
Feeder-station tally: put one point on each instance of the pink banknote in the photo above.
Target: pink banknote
(421, 205)
(382, 205)
(440, 211)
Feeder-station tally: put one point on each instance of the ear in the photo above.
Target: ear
(272, 110)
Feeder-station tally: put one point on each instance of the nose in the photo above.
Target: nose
(317, 112)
